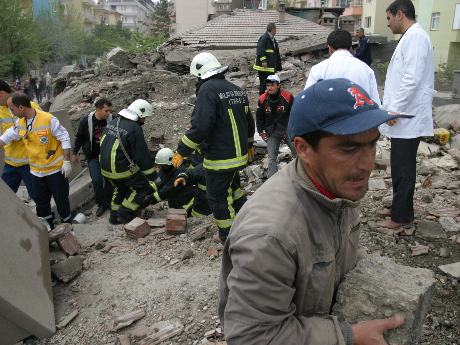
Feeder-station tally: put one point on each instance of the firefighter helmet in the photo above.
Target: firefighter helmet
(205, 65)
(164, 156)
(139, 109)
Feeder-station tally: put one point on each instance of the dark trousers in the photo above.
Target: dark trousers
(225, 198)
(262, 77)
(102, 189)
(56, 186)
(129, 196)
(14, 175)
(403, 176)
(200, 206)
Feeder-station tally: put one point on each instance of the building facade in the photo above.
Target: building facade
(135, 13)
(104, 16)
(374, 18)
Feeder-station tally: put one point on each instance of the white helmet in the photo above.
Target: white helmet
(139, 109)
(205, 65)
(164, 156)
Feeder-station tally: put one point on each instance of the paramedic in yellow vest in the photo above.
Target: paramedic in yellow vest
(16, 168)
(48, 147)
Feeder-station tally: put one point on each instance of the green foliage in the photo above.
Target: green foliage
(145, 44)
(445, 72)
(159, 19)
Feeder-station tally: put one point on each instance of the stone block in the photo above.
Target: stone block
(176, 221)
(69, 244)
(59, 231)
(429, 230)
(379, 288)
(451, 269)
(156, 222)
(68, 269)
(137, 228)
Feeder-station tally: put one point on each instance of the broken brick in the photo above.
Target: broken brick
(69, 244)
(213, 252)
(137, 228)
(176, 223)
(156, 222)
(177, 211)
(59, 231)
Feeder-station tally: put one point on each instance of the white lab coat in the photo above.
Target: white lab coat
(342, 64)
(409, 85)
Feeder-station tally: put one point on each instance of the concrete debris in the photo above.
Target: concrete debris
(451, 269)
(120, 58)
(447, 116)
(200, 232)
(427, 167)
(447, 162)
(68, 243)
(188, 254)
(377, 184)
(419, 249)
(123, 321)
(379, 288)
(156, 222)
(176, 221)
(445, 212)
(430, 230)
(68, 269)
(65, 321)
(123, 340)
(449, 224)
(428, 150)
(455, 142)
(213, 252)
(168, 331)
(444, 252)
(59, 231)
(137, 228)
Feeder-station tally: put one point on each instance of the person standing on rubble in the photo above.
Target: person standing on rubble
(88, 138)
(363, 52)
(126, 162)
(16, 168)
(48, 147)
(223, 120)
(272, 118)
(342, 64)
(296, 238)
(268, 59)
(409, 87)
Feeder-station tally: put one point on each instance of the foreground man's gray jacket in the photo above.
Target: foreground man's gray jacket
(287, 252)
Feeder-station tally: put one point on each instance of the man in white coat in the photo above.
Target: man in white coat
(342, 64)
(408, 89)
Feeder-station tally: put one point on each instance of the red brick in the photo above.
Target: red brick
(177, 211)
(69, 244)
(176, 223)
(137, 228)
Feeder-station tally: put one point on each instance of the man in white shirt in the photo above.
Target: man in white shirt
(342, 64)
(408, 89)
(48, 148)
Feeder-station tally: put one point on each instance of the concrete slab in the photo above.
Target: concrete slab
(26, 300)
(379, 288)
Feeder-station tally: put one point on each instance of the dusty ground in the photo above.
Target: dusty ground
(155, 276)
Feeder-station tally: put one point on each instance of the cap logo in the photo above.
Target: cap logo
(360, 98)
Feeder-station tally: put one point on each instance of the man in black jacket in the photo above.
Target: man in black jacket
(223, 120)
(126, 162)
(88, 138)
(272, 118)
(268, 59)
(363, 52)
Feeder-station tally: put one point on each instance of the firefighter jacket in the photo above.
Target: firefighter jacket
(273, 111)
(15, 151)
(267, 51)
(223, 120)
(195, 176)
(114, 164)
(177, 197)
(43, 149)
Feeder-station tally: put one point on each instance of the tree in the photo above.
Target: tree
(159, 19)
(18, 40)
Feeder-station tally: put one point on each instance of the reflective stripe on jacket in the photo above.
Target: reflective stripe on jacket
(267, 51)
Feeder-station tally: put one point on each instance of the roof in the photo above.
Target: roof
(242, 29)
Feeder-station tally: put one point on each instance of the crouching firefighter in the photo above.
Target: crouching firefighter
(126, 162)
(181, 197)
(223, 120)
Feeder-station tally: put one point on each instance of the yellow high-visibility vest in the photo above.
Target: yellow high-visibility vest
(15, 152)
(40, 143)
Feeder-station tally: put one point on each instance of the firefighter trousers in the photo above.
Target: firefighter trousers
(129, 196)
(225, 198)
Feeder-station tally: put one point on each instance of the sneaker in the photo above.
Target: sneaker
(100, 210)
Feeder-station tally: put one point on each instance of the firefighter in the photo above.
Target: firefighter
(126, 162)
(223, 120)
(16, 161)
(165, 189)
(194, 175)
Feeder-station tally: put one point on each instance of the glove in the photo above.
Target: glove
(177, 160)
(66, 169)
(251, 154)
(264, 135)
(180, 181)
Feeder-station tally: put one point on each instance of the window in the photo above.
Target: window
(367, 22)
(456, 25)
(435, 17)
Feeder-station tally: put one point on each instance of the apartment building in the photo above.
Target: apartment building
(135, 13)
(374, 18)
